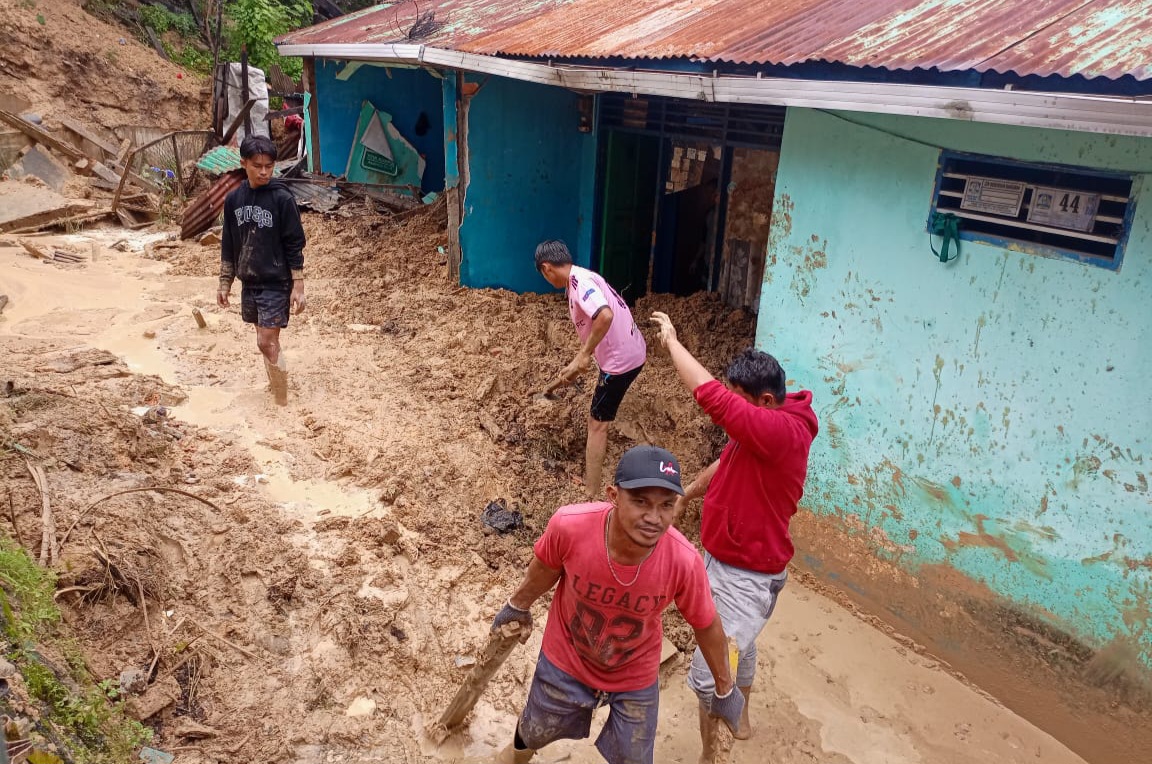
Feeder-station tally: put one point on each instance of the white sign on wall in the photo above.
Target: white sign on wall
(999, 197)
(1063, 208)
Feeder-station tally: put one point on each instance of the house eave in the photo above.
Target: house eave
(1059, 111)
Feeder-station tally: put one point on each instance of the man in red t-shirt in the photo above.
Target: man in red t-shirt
(619, 563)
(750, 494)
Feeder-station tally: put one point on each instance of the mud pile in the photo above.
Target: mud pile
(266, 623)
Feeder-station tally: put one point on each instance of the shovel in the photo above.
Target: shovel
(499, 647)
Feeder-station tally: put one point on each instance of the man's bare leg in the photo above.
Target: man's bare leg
(594, 456)
(709, 737)
(268, 340)
(745, 731)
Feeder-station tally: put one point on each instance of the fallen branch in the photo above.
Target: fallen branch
(48, 552)
(231, 644)
(159, 489)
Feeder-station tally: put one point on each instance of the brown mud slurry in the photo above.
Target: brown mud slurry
(313, 611)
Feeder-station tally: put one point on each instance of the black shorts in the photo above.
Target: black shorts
(267, 308)
(610, 389)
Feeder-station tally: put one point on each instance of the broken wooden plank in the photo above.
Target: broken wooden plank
(50, 222)
(102, 172)
(159, 46)
(241, 116)
(91, 136)
(36, 250)
(42, 136)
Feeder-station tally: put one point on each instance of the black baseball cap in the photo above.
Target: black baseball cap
(649, 467)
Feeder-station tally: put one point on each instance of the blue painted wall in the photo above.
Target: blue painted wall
(530, 178)
(991, 414)
(403, 93)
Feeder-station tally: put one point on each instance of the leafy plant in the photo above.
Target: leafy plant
(161, 20)
(255, 23)
(98, 732)
(26, 592)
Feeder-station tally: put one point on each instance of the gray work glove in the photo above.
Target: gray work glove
(511, 614)
(728, 707)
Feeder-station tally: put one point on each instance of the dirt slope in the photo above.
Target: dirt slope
(68, 63)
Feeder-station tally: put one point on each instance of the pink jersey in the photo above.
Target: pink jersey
(603, 633)
(623, 348)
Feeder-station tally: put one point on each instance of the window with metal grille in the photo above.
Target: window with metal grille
(751, 125)
(1050, 210)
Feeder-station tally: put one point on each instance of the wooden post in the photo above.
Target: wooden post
(244, 87)
(500, 645)
(313, 115)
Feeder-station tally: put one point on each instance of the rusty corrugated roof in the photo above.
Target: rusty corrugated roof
(1093, 38)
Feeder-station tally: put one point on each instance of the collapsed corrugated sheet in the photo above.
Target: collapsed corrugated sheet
(220, 160)
(1093, 38)
(202, 212)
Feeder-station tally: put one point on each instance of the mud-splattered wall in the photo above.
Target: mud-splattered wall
(992, 414)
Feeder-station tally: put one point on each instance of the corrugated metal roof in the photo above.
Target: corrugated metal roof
(1093, 38)
(220, 160)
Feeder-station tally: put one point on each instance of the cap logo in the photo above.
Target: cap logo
(668, 469)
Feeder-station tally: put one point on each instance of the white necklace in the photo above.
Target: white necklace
(608, 555)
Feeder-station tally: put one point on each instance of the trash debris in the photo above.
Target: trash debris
(498, 517)
(154, 756)
(156, 698)
(211, 237)
(361, 707)
(464, 661)
(188, 729)
(151, 413)
(133, 681)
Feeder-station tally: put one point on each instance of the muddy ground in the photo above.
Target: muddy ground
(310, 604)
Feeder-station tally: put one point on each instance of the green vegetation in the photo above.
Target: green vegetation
(247, 23)
(255, 23)
(161, 20)
(79, 716)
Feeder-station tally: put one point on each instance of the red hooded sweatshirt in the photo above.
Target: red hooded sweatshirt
(758, 485)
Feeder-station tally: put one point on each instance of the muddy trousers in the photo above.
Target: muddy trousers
(744, 600)
(560, 707)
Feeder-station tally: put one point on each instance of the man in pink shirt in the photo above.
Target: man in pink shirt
(608, 334)
(619, 563)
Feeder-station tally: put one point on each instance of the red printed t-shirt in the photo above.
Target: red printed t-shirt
(606, 635)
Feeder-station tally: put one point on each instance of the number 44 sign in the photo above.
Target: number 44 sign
(1063, 208)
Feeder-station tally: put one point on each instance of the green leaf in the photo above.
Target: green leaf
(44, 757)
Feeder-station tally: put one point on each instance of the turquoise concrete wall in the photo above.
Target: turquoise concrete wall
(992, 414)
(402, 92)
(530, 178)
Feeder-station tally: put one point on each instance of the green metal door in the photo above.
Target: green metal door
(630, 178)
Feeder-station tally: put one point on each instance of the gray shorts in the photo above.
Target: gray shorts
(744, 600)
(560, 707)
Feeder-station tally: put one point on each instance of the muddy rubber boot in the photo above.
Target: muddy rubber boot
(745, 730)
(278, 378)
(514, 755)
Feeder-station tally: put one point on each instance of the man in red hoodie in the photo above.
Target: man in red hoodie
(750, 494)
